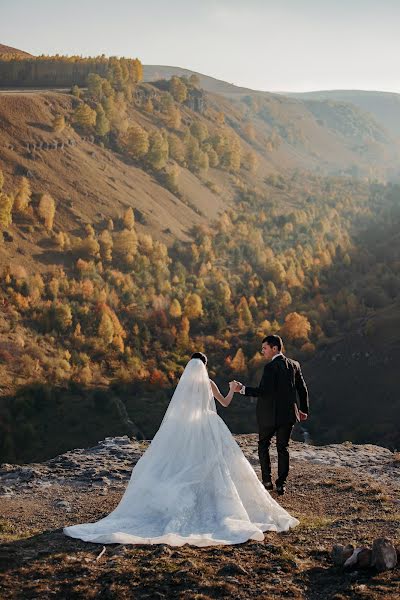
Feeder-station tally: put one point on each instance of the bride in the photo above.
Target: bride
(193, 485)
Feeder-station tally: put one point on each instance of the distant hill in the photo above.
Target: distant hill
(14, 51)
(210, 84)
(352, 112)
(384, 106)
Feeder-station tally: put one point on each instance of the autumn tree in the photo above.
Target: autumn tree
(245, 318)
(173, 117)
(176, 148)
(125, 246)
(58, 124)
(47, 210)
(106, 245)
(182, 339)
(157, 155)
(199, 130)
(238, 363)
(75, 91)
(23, 196)
(175, 309)
(137, 141)
(296, 327)
(6, 204)
(106, 329)
(95, 86)
(148, 106)
(194, 80)
(178, 89)
(102, 123)
(62, 316)
(170, 178)
(250, 161)
(193, 306)
(213, 159)
(84, 116)
(129, 219)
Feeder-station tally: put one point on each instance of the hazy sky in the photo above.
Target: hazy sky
(287, 45)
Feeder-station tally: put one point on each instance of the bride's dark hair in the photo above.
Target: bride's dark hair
(201, 356)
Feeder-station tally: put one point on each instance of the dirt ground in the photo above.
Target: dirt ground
(334, 506)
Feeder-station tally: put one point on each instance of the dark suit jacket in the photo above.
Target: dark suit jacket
(281, 391)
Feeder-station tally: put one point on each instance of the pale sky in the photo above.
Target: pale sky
(285, 45)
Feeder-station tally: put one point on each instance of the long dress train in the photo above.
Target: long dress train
(193, 485)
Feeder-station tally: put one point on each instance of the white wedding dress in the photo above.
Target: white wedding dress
(193, 485)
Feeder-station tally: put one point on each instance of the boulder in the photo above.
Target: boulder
(384, 555)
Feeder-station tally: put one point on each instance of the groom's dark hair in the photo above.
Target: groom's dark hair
(274, 340)
(201, 356)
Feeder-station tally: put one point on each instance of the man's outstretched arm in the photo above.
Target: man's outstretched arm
(266, 386)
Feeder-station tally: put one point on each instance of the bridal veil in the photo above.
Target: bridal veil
(193, 485)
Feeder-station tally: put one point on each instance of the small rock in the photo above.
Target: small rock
(232, 580)
(364, 558)
(161, 550)
(232, 569)
(384, 554)
(341, 553)
(353, 559)
(63, 504)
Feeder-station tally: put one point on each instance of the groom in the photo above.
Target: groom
(281, 389)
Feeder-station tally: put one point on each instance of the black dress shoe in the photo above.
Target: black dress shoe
(280, 488)
(268, 485)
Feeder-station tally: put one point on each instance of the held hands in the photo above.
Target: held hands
(235, 385)
(303, 416)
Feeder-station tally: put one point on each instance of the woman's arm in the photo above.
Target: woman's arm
(224, 400)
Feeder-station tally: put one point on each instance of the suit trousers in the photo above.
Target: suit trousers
(265, 435)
